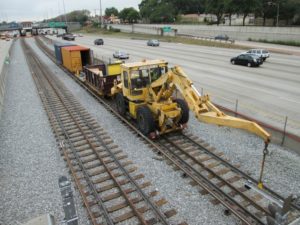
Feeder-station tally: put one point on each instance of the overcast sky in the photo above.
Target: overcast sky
(33, 10)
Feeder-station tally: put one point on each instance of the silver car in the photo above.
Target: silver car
(153, 42)
(121, 55)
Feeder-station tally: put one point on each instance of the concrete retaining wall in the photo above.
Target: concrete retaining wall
(234, 32)
(4, 60)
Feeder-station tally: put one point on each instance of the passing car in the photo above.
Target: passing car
(153, 42)
(222, 37)
(99, 41)
(263, 53)
(121, 55)
(68, 37)
(247, 60)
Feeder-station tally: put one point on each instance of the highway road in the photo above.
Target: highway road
(268, 93)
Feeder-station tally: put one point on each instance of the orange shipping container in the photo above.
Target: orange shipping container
(75, 57)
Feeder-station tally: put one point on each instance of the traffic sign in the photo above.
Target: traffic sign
(56, 24)
(167, 29)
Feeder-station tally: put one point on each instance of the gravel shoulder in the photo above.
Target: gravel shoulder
(30, 163)
(4, 48)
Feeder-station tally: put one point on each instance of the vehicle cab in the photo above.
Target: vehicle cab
(136, 77)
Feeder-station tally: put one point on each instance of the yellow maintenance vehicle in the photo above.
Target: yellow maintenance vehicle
(146, 92)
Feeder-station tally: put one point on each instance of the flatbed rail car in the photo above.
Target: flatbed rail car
(100, 78)
(78, 60)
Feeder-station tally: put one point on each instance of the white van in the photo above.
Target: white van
(264, 54)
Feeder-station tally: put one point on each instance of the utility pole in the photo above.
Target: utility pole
(59, 15)
(65, 13)
(95, 13)
(101, 20)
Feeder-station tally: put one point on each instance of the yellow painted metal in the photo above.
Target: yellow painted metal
(203, 108)
(143, 63)
(114, 69)
(133, 107)
(167, 115)
(71, 60)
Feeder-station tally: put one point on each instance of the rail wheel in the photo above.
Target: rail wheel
(184, 111)
(145, 120)
(120, 103)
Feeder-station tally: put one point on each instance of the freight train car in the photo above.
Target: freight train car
(78, 60)
(75, 57)
(57, 51)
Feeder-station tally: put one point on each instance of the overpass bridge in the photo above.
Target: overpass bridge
(34, 28)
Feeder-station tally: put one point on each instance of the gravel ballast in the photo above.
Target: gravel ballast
(30, 163)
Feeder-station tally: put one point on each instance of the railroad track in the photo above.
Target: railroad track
(207, 169)
(216, 176)
(112, 189)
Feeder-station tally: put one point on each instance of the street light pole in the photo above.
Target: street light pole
(101, 20)
(65, 13)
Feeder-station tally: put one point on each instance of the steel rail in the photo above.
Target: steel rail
(212, 187)
(216, 175)
(53, 109)
(161, 218)
(144, 196)
(236, 170)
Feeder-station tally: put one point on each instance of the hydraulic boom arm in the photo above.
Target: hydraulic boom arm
(201, 105)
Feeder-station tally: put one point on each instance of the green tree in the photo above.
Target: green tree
(111, 11)
(146, 8)
(166, 10)
(186, 7)
(216, 7)
(230, 8)
(130, 15)
(288, 10)
(80, 16)
(265, 11)
(157, 11)
(296, 20)
(246, 7)
(164, 13)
